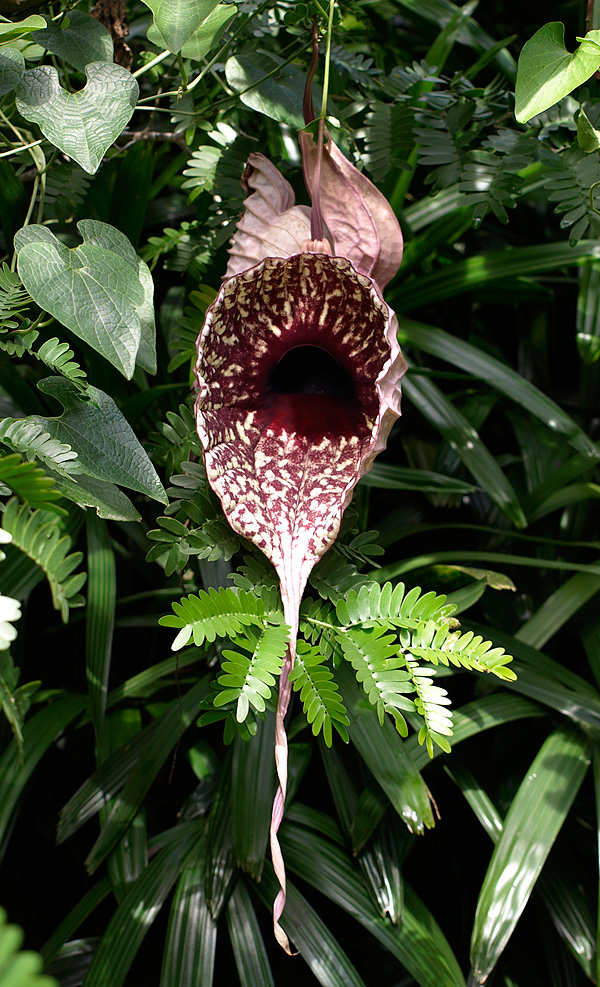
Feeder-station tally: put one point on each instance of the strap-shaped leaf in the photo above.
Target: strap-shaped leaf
(38, 535)
(82, 124)
(319, 693)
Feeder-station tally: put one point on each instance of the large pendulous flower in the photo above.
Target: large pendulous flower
(299, 376)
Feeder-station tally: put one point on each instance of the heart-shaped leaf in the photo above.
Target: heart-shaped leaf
(204, 37)
(109, 502)
(547, 71)
(12, 67)
(100, 290)
(588, 137)
(82, 124)
(10, 31)
(278, 96)
(103, 235)
(78, 38)
(177, 20)
(104, 441)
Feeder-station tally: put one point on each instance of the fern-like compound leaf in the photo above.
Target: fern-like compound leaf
(248, 675)
(319, 693)
(382, 672)
(40, 537)
(440, 645)
(431, 704)
(218, 613)
(14, 699)
(29, 483)
(392, 606)
(29, 438)
(573, 174)
(14, 299)
(389, 138)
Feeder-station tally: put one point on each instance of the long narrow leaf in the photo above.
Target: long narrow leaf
(465, 441)
(246, 940)
(386, 756)
(326, 959)
(252, 792)
(534, 819)
(189, 956)
(418, 944)
(134, 916)
(500, 376)
(100, 620)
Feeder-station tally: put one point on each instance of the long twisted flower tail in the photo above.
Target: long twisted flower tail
(298, 386)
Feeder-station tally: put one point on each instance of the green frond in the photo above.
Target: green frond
(185, 333)
(59, 357)
(442, 645)
(381, 670)
(389, 139)
(176, 543)
(40, 537)
(391, 606)
(572, 174)
(489, 186)
(255, 574)
(176, 440)
(334, 576)
(431, 704)
(218, 613)
(19, 342)
(66, 188)
(13, 299)
(443, 141)
(29, 483)
(319, 693)
(318, 624)
(28, 437)
(360, 68)
(248, 676)
(15, 699)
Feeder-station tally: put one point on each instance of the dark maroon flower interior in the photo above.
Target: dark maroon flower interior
(288, 404)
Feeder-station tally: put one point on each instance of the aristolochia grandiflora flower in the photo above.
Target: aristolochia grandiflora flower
(299, 377)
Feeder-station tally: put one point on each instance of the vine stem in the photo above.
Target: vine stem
(323, 112)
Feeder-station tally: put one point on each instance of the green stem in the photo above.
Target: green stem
(182, 72)
(21, 147)
(150, 65)
(323, 112)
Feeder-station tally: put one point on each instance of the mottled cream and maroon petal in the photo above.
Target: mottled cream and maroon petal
(271, 225)
(299, 384)
(359, 217)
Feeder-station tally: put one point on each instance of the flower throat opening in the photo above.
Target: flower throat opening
(311, 370)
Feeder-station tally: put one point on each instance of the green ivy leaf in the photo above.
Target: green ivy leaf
(82, 124)
(204, 37)
(547, 71)
(177, 20)
(108, 501)
(78, 38)
(105, 443)
(588, 137)
(90, 290)
(12, 67)
(10, 31)
(279, 96)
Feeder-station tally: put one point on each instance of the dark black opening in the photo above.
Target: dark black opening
(311, 370)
